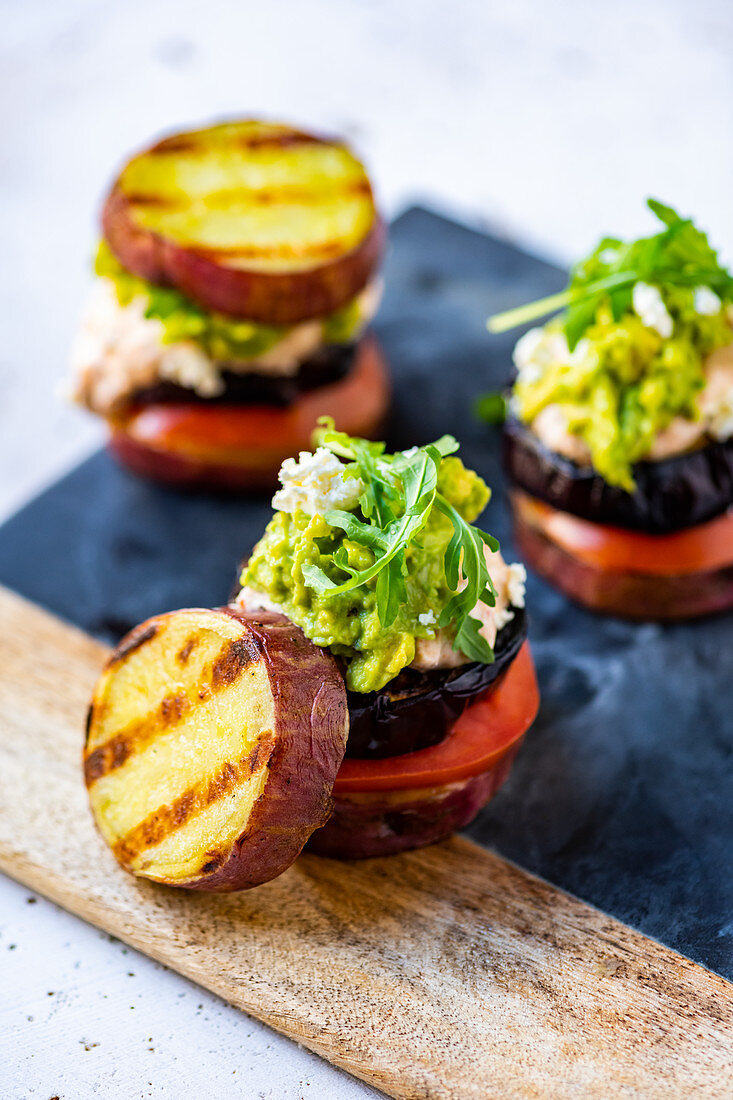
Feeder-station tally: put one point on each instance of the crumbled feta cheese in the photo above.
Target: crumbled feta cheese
(427, 618)
(537, 350)
(516, 585)
(609, 255)
(315, 484)
(706, 301)
(500, 618)
(650, 309)
(541, 348)
(188, 366)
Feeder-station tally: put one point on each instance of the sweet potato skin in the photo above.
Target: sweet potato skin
(383, 823)
(270, 298)
(310, 741)
(302, 751)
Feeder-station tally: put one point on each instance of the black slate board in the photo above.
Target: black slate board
(623, 793)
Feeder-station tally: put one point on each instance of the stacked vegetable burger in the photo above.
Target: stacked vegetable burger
(235, 280)
(619, 439)
(368, 688)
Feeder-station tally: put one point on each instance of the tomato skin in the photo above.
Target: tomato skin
(486, 731)
(243, 446)
(705, 547)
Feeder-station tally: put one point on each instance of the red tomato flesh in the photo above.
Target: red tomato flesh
(259, 435)
(705, 547)
(485, 732)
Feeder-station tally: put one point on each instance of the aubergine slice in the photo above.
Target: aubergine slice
(417, 709)
(670, 494)
(329, 364)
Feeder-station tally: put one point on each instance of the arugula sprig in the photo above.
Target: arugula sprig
(465, 561)
(679, 255)
(399, 492)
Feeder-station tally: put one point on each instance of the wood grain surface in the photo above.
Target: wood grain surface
(442, 973)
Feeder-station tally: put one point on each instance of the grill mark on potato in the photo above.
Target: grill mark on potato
(275, 141)
(88, 724)
(107, 758)
(131, 643)
(172, 708)
(268, 196)
(160, 202)
(229, 664)
(115, 752)
(250, 196)
(214, 860)
(284, 251)
(159, 824)
(233, 660)
(177, 143)
(186, 650)
(193, 143)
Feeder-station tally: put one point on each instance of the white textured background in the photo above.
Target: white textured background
(548, 121)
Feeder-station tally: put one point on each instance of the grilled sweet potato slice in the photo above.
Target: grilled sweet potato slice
(214, 740)
(248, 218)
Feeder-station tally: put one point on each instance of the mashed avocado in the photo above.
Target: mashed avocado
(348, 622)
(625, 357)
(624, 382)
(221, 337)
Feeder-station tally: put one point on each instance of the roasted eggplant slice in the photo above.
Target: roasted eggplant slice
(671, 494)
(417, 709)
(330, 364)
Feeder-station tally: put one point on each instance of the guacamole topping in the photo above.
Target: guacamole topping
(392, 559)
(627, 354)
(221, 337)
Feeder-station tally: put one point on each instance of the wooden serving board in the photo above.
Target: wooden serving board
(441, 973)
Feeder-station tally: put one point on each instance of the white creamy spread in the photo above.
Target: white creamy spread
(714, 403)
(706, 302)
(716, 400)
(438, 651)
(249, 599)
(509, 582)
(315, 484)
(118, 351)
(541, 348)
(649, 307)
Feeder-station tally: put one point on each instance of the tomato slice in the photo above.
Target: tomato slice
(263, 435)
(484, 733)
(702, 548)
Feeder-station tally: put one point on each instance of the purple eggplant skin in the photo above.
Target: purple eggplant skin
(671, 494)
(418, 709)
(383, 823)
(328, 365)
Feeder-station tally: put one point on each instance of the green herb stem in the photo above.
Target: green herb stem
(521, 315)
